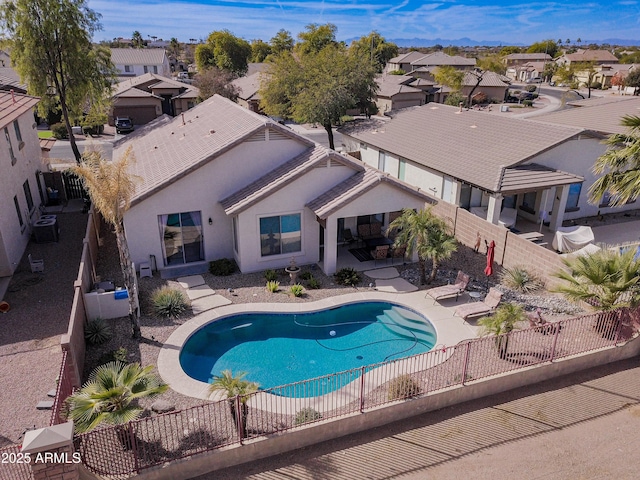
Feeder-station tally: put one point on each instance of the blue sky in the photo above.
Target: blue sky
(493, 20)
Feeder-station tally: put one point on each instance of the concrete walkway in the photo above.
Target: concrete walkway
(582, 426)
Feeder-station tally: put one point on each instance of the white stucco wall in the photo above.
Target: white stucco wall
(202, 191)
(14, 239)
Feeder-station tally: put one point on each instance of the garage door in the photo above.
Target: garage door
(139, 115)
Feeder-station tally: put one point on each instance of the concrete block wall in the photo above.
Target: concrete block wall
(537, 259)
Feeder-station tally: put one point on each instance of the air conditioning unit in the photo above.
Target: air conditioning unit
(46, 230)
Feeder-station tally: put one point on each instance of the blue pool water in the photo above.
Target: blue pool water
(278, 349)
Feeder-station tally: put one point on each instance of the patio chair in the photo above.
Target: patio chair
(380, 253)
(364, 231)
(459, 286)
(375, 230)
(474, 309)
(36, 265)
(348, 237)
(398, 252)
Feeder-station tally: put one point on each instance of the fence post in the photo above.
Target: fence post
(134, 447)
(555, 340)
(239, 418)
(466, 363)
(362, 370)
(618, 314)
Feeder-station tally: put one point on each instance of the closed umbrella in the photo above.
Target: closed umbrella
(490, 254)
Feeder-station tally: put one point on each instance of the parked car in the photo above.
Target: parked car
(535, 80)
(124, 125)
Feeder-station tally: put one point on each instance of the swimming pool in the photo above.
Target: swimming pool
(281, 348)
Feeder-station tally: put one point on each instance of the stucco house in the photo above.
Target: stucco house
(597, 57)
(248, 87)
(146, 97)
(131, 62)
(517, 59)
(20, 188)
(403, 61)
(221, 181)
(486, 163)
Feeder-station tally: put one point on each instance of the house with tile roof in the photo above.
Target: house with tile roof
(21, 190)
(131, 62)
(483, 162)
(248, 87)
(221, 181)
(146, 97)
(597, 57)
(403, 61)
(516, 59)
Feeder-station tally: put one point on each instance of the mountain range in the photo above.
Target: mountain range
(467, 42)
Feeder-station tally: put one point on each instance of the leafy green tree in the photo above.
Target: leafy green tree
(259, 51)
(492, 63)
(503, 321)
(174, 47)
(51, 49)
(136, 39)
(215, 81)
(509, 50)
(427, 235)
(316, 38)
(281, 42)
(379, 50)
(454, 99)
(111, 393)
(605, 279)
(549, 71)
(588, 69)
(233, 387)
(111, 187)
(633, 79)
(546, 46)
(317, 87)
(449, 76)
(223, 50)
(566, 74)
(619, 166)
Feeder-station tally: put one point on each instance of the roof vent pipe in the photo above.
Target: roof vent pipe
(13, 95)
(182, 114)
(460, 105)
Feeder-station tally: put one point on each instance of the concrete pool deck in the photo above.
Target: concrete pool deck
(450, 329)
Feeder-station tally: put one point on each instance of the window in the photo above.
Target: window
(15, 201)
(529, 201)
(16, 127)
(234, 224)
(13, 157)
(127, 68)
(155, 69)
(402, 169)
(27, 195)
(181, 235)
(381, 160)
(280, 235)
(190, 104)
(146, 69)
(573, 197)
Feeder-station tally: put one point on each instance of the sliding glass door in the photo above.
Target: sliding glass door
(182, 237)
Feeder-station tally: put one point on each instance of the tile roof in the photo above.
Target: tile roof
(10, 78)
(13, 105)
(592, 56)
(439, 58)
(599, 115)
(407, 57)
(138, 56)
(248, 86)
(281, 176)
(469, 145)
(133, 92)
(47, 143)
(170, 148)
(151, 80)
(525, 178)
(489, 79)
(353, 187)
(528, 56)
(390, 85)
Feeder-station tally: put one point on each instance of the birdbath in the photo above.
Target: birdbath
(292, 270)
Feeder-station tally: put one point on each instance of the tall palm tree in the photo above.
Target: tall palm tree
(111, 393)
(502, 322)
(619, 166)
(427, 235)
(605, 279)
(111, 187)
(234, 387)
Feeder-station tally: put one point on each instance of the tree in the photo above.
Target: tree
(546, 46)
(259, 51)
(478, 75)
(213, 80)
(51, 49)
(111, 187)
(605, 279)
(501, 323)
(509, 50)
(174, 47)
(111, 393)
(281, 42)
(633, 79)
(492, 63)
(223, 50)
(136, 39)
(316, 38)
(377, 48)
(619, 166)
(425, 234)
(618, 80)
(449, 76)
(588, 69)
(317, 87)
(233, 387)
(566, 74)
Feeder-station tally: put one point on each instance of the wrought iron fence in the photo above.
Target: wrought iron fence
(14, 464)
(120, 451)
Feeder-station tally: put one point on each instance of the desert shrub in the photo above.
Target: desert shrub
(527, 103)
(307, 414)
(403, 386)
(97, 331)
(270, 275)
(168, 302)
(521, 280)
(59, 131)
(596, 85)
(223, 267)
(306, 275)
(348, 276)
(273, 286)
(296, 290)
(313, 283)
(120, 355)
(531, 88)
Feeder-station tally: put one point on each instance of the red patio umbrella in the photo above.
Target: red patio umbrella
(490, 253)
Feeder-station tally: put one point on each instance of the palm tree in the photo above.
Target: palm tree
(427, 235)
(111, 393)
(619, 166)
(111, 187)
(502, 322)
(136, 39)
(234, 387)
(605, 279)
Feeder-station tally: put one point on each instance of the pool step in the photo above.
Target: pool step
(406, 327)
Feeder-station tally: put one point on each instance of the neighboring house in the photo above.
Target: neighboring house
(224, 182)
(398, 91)
(493, 85)
(248, 87)
(148, 96)
(131, 62)
(526, 71)
(427, 63)
(484, 162)
(597, 57)
(403, 62)
(518, 59)
(20, 188)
